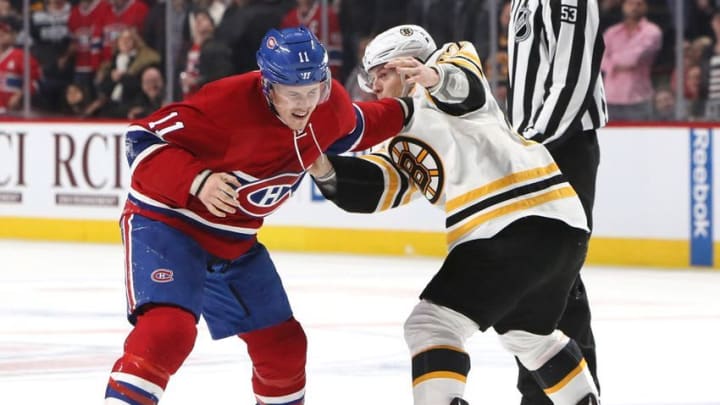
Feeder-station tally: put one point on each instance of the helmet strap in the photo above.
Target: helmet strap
(266, 89)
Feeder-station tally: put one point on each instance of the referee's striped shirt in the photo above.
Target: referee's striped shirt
(554, 54)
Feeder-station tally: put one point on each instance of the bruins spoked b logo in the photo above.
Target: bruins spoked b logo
(420, 163)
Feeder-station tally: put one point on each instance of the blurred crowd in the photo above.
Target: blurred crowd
(109, 58)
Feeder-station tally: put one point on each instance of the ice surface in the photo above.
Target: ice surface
(62, 325)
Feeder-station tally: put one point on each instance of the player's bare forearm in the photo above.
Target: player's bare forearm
(324, 175)
(320, 167)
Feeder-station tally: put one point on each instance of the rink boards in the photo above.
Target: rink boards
(655, 200)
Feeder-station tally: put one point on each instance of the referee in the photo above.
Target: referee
(556, 97)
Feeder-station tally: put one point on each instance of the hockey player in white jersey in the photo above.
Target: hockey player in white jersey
(515, 228)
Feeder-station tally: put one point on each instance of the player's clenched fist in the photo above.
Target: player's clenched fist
(217, 192)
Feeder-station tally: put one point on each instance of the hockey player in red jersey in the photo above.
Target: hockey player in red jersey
(204, 174)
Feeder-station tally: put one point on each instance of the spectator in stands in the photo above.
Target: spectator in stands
(664, 105)
(77, 99)
(202, 29)
(216, 9)
(86, 36)
(710, 62)
(51, 47)
(7, 9)
(207, 59)
(15, 9)
(309, 13)
(118, 80)
(152, 95)
(12, 67)
(121, 15)
(692, 87)
(630, 49)
(244, 25)
(695, 101)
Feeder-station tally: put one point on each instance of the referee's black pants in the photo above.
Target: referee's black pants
(578, 158)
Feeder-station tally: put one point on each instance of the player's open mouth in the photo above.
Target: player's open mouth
(300, 115)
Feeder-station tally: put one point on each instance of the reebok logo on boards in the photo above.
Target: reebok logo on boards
(701, 197)
(700, 185)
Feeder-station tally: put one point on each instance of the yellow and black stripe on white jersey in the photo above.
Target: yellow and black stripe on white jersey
(460, 153)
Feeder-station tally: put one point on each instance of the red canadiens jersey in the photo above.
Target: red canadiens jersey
(313, 21)
(115, 20)
(84, 25)
(11, 74)
(229, 127)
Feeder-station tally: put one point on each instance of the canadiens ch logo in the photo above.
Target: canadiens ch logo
(523, 29)
(271, 42)
(262, 197)
(162, 276)
(420, 163)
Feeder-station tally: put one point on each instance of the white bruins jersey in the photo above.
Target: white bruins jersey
(463, 156)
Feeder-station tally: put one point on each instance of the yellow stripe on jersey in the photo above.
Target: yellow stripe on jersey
(501, 183)
(562, 383)
(393, 181)
(463, 63)
(471, 55)
(410, 193)
(451, 50)
(440, 347)
(462, 54)
(524, 203)
(522, 139)
(439, 374)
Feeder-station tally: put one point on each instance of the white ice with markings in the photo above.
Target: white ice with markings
(62, 325)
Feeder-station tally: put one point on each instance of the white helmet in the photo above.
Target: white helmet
(401, 40)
